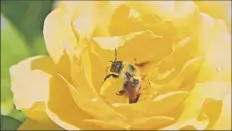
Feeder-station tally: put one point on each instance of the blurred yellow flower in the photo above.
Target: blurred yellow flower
(182, 52)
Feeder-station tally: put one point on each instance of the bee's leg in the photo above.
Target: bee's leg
(121, 92)
(110, 75)
(106, 70)
(125, 85)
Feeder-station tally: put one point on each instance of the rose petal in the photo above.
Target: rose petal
(81, 83)
(30, 84)
(93, 17)
(189, 125)
(130, 111)
(79, 76)
(57, 42)
(98, 70)
(105, 46)
(166, 99)
(191, 67)
(218, 9)
(69, 7)
(183, 14)
(143, 46)
(215, 42)
(212, 115)
(88, 70)
(54, 25)
(124, 20)
(103, 124)
(62, 109)
(152, 122)
(183, 79)
(194, 104)
(184, 50)
(160, 7)
(31, 81)
(224, 121)
(152, 108)
(35, 125)
(96, 107)
(81, 69)
(37, 112)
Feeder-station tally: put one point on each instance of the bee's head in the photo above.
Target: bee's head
(116, 66)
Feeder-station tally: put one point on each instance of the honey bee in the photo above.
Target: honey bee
(130, 75)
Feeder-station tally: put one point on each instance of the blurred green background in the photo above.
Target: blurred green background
(21, 37)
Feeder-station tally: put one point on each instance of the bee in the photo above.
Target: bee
(130, 75)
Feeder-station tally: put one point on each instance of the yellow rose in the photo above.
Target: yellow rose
(183, 55)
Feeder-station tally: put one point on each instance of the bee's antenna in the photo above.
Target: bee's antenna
(116, 56)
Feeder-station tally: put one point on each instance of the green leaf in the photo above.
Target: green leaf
(9, 123)
(13, 49)
(18, 115)
(27, 16)
(38, 46)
